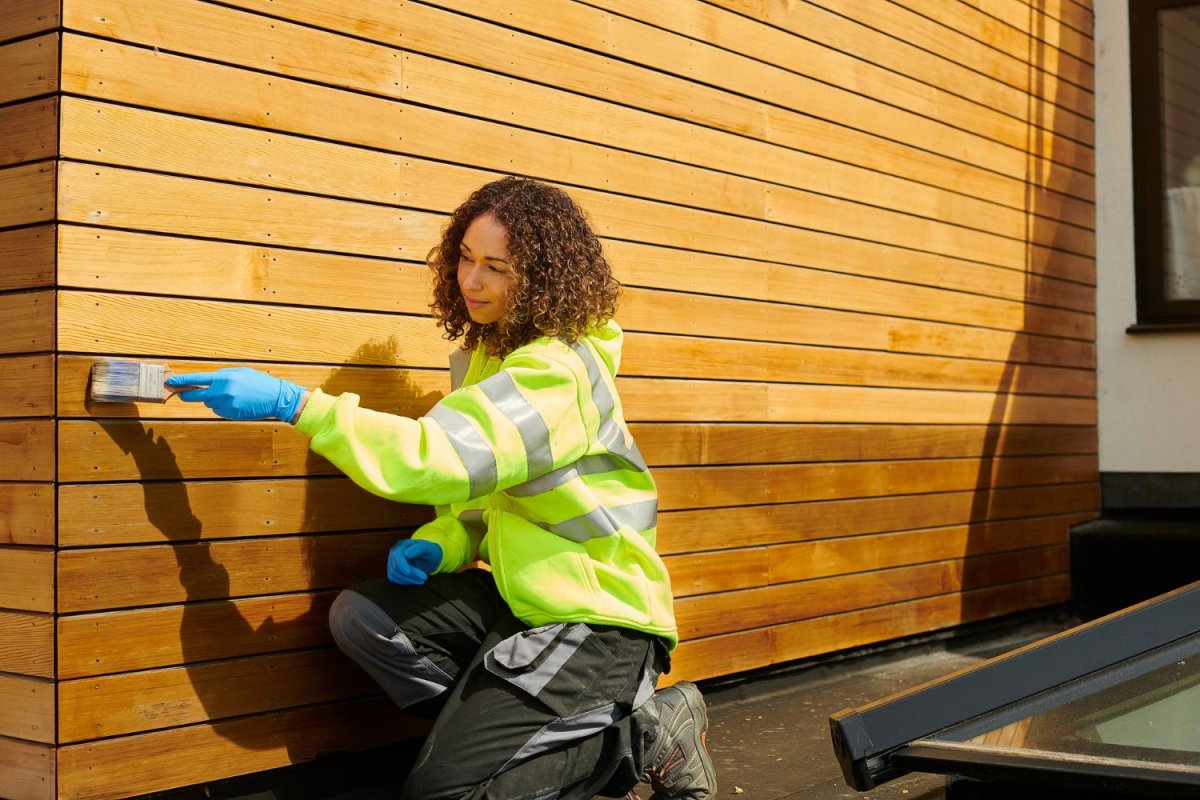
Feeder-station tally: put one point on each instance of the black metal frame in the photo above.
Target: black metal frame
(1154, 310)
(866, 739)
(1047, 769)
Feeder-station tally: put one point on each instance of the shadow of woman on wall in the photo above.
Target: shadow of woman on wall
(1038, 471)
(253, 633)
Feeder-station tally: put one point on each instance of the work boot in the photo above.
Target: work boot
(677, 764)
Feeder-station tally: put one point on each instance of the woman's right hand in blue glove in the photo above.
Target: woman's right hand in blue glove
(411, 560)
(242, 393)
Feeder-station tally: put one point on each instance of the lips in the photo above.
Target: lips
(475, 303)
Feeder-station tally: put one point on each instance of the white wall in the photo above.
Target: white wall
(1149, 383)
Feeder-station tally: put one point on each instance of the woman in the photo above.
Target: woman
(541, 671)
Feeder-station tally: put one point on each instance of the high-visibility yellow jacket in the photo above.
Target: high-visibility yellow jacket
(532, 470)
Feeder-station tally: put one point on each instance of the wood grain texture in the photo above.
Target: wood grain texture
(112, 768)
(136, 138)
(712, 359)
(93, 61)
(759, 647)
(121, 577)
(130, 450)
(27, 322)
(800, 324)
(27, 643)
(27, 386)
(709, 487)
(713, 61)
(680, 444)
(721, 154)
(720, 401)
(859, 353)
(28, 196)
(30, 131)
(1008, 55)
(98, 514)
(26, 578)
(109, 642)
(29, 67)
(402, 391)
(29, 769)
(167, 204)
(27, 258)
(854, 36)
(26, 450)
(26, 17)
(27, 708)
(111, 260)
(874, 287)
(708, 615)
(727, 570)
(114, 705)
(27, 513)
(91, 323)
(234, 37)
(705, 530)
(140, 76)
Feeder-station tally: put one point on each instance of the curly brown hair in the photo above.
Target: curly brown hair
(561, 286)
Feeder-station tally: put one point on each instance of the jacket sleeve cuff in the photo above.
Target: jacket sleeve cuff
(449, 534)
(317, 412)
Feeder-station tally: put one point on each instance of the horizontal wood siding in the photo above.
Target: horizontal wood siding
(28, 147)
(857, 245)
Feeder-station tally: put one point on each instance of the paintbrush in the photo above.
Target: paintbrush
(131, 382)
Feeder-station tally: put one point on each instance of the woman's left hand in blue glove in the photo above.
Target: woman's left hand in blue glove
(410, 561)
(242, 393)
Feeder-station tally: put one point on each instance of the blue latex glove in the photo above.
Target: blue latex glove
(242, 393)
(411, 560)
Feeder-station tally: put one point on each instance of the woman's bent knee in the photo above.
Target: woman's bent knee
(370, 637)
(349, 619)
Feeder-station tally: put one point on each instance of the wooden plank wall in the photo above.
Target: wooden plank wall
(858, 252)
(28, 143)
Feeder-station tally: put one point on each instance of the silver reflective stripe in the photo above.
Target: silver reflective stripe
(609, 431)
(564, 731)
(503, 393)
(588, 465)
(606, 521)
(646, 687)
(473, 521)
(509, 658)
(473, 450)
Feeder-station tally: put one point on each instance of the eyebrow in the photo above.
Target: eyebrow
(463, 246)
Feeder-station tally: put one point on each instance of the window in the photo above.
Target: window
(1165, 78)
(1108, 708)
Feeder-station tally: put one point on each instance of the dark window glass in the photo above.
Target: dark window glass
(1165, 74)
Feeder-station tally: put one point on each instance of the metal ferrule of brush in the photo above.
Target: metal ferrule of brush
(128, 382)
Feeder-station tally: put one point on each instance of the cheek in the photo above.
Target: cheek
(501, 290)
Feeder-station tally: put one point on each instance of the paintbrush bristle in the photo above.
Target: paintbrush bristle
(128, 382)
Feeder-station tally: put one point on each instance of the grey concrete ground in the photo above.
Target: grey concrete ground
(769, 735)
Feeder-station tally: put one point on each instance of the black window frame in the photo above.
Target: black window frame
(1154, 311)
(884, 740)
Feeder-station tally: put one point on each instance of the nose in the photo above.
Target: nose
(469, 276)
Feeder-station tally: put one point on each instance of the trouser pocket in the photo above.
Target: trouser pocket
(567, 666)
(587, 678)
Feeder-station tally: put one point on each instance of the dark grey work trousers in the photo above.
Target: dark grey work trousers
(522, 713)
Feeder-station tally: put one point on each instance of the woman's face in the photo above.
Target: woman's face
(484, 271)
